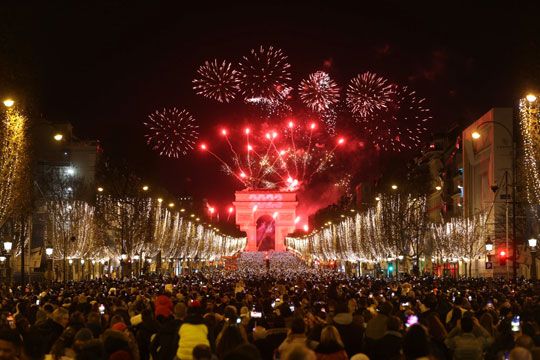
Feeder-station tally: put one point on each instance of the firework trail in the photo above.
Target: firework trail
(217, 81)
(171, 132)
(285, 159)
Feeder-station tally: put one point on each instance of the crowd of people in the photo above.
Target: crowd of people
(271, 314)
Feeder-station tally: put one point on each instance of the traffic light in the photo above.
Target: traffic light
(390, 269)
(502, 257)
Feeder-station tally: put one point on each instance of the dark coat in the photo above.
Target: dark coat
(165, 343)
(48, 332)
(388, 347)
(351, 334)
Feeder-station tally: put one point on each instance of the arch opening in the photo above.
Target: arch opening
(266, 233)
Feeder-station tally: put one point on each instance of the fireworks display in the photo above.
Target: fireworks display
(285, 159)
(171, 132)
(402, 124)
(319, 92)
(368, 93)
(389, 116)
(217, 81)
(264, 73)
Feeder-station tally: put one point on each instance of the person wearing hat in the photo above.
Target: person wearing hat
(192, 332)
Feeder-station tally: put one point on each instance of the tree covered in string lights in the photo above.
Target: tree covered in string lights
(13, 163)
(403, 224)
(460, 239)
(124, 212)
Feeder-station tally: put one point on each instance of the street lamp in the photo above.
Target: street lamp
(489, 245)
(532, 245)
(8, 245)
(531, 98)
(58, 137)
(9, 102)
(145, 187)
(476, 135)
(100, 189)
(394, 187)
(49, 251)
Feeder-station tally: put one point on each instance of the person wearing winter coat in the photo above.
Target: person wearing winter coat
(192, 332)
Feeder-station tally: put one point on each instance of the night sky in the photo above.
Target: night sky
(105, 67)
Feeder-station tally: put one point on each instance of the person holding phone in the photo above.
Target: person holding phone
(463, 341)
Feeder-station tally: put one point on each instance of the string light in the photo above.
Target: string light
(13, 160)
(529, 117)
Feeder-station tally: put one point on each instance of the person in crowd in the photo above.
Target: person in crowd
(144, 332)
(295, 336)
(464, 343)
(520, 353)
(377, 326)
(10, 344)
(230, 337)
(50, 330)
(331, 346)
(350, 332)
(299, 352)
(416, 344)
(165, 344)
(389, 346)
(192, 332)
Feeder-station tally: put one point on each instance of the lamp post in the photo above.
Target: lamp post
(489, 248)
(8, 245)
(2, 263)
(70, 261)
(49, 251)
(123, 258)
(136, 258)
(532, 244)
(82, 269)
(476, 135)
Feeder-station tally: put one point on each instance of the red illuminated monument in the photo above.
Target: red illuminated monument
(267, 217)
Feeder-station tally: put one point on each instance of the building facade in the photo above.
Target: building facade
(488, 154)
